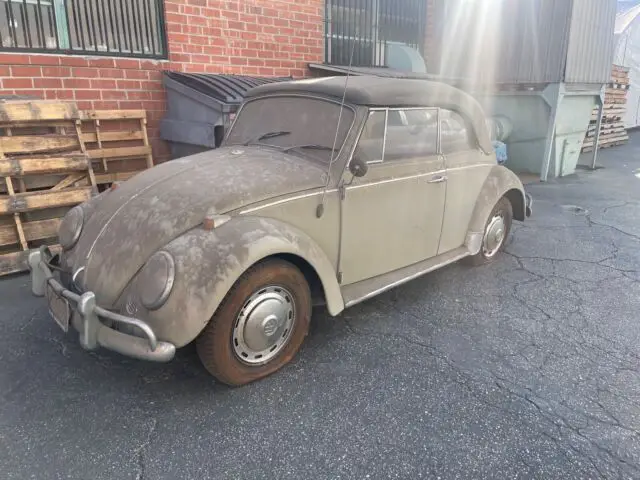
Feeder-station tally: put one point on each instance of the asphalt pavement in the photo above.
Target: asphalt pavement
(527, 368)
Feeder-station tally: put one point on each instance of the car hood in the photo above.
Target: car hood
(127, 225)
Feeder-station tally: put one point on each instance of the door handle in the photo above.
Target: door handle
(437, 179)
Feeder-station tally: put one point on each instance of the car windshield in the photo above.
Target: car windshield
(302, 125)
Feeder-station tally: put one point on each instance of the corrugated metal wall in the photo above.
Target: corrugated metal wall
(526, 41)
(592, 42)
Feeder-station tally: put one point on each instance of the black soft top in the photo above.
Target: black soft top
(373, 91)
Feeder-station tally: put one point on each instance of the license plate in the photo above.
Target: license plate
(59, 308)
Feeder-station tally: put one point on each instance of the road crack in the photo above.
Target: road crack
(139, 451)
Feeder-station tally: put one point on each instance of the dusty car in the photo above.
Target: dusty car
(326, 191)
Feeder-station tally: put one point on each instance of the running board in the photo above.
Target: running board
(366, 289)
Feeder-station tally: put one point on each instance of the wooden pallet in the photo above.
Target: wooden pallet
(606, 141)
(38, 140)
(117, 142)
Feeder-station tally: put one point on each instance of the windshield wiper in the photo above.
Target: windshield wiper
(310, 146)
(264, 136)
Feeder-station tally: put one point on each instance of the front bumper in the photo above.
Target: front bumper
(94, 333)
(528, 204)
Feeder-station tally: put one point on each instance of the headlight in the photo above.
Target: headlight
(71, 228)
(156, 280)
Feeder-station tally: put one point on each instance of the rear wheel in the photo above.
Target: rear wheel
(259, 326)
(495, 234)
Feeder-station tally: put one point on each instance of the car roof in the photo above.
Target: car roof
(373, 91)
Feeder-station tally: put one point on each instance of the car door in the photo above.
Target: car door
(392, 216)
(467, 169)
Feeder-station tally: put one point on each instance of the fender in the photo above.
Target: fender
(499, 183)
(208, 263)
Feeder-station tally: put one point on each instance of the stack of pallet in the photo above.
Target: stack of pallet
(53, 157)
(612, 130)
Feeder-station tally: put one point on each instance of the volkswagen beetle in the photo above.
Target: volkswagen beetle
(326, 191)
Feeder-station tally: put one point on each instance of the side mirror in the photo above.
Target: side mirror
(358, 167)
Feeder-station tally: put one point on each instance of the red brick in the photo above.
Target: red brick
(44, 59)
(197, 58)
(136, 74)
(131, 105)
(194, 68)
(102, 62)
(153, 64)
(17, 83)
(77, 83)
(176, 18)
(74, 61)
(85, 105)
(103, 84)
(111, 73)
(56, 71)
(105, 105)
(129, 84)
(64, 94)
(31, 93)
(14, 59)
(5, 71)
(26, 71)
(87, 94)
(127, 63)
(85, 72)
(47, 83)
(114, 95)
(138, 95)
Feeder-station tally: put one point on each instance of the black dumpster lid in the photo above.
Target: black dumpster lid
(224, 88)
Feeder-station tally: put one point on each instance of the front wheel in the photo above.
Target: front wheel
(259, 326)
(496, 232)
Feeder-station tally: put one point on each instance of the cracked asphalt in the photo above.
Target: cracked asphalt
(527, 368)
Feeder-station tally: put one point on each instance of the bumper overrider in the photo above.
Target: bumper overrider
(93, 332)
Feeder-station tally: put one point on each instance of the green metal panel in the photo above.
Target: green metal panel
(531, 115)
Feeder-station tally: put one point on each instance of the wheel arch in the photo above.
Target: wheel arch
(209, 263)
(501, 182)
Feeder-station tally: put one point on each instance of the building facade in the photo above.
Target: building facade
(110, 54)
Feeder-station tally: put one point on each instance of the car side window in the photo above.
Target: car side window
(455, 135)
(416, 136)
(371, 144)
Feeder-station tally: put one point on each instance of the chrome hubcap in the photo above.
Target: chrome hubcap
(493, 236)
(264, 325)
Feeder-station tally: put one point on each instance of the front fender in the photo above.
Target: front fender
(499, 183)
(208, 263)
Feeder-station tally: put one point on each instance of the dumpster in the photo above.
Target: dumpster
(201, 107)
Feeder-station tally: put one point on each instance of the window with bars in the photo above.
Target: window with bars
(372, 25)
(126, 28)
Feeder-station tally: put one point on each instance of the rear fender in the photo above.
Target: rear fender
(499, 183)
(208, 263)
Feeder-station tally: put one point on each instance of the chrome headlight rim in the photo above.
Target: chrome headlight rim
(77, 228)
(163, 295)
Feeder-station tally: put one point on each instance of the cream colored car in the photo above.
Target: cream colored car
(326, 191)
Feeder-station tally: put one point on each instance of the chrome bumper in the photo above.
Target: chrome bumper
(94, 333)
(528, 204)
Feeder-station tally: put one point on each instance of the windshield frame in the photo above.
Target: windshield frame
(337, 153)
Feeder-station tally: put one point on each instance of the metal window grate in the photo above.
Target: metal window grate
(372, 25)
(124, 28)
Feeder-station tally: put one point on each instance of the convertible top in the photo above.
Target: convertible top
(373, 91)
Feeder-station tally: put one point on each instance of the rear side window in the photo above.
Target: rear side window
(409, 134)
(415, 136)
(455, 135)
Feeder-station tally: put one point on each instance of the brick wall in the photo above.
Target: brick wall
(252, 37)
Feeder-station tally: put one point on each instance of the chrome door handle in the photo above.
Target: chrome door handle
(437, 179)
